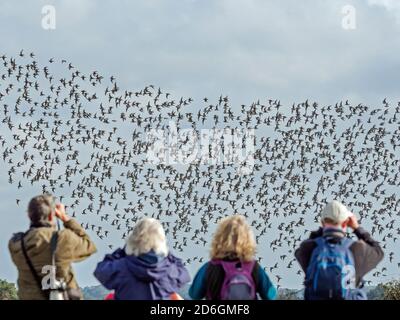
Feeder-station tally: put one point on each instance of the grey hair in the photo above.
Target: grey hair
(148, 234)
(39, 209)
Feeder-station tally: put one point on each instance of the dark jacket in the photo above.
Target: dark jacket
(210, 278)
(144, 277)
(73, 245)
(366, 251)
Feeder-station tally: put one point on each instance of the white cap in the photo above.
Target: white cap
(336, 211)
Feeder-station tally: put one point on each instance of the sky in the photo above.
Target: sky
(247, 49)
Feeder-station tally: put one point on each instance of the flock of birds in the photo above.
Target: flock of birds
(84, 139)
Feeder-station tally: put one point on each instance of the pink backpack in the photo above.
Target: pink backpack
(238, 281)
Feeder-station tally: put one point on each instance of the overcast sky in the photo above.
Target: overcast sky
(247, 49)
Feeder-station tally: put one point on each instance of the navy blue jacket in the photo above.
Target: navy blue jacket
(144, 277)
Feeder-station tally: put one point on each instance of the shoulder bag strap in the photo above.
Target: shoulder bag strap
(53, 247)
(33, 271)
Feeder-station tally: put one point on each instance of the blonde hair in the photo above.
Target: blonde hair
(233, 238)
(148, 234)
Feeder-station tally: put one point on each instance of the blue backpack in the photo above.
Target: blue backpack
(331, 272)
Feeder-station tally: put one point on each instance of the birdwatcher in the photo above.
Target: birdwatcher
(232, 273)
(43, 254)
(144, 269)
(334, 264)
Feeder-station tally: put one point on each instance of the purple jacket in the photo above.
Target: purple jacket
(144, 277)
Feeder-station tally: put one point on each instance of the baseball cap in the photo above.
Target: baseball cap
(336, 211)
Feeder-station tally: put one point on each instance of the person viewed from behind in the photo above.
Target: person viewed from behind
(31, 250)
(232, 273)
(144, 269)
(334, 264)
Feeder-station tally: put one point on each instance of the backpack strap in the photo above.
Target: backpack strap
(347, 242)
(319, 241)
(322, 241)
(248, 266)
(230, 266)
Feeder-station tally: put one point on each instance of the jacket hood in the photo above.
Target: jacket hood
(164, 275)
(149, 267)
(146, 277)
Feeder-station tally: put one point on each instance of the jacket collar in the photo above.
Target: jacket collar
(151, 257)
(40, 225)
(333, 232)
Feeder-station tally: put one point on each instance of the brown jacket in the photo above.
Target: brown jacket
(73, 245)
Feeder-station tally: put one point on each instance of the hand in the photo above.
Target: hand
(60, 213)
(352, 222)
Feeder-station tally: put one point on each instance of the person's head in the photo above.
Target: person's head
(147, 235)
(233, 238)
(41, 210)
(336, 215)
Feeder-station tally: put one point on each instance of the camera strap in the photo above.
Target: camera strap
(53, 247)
(38, 280)
(33, 271)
